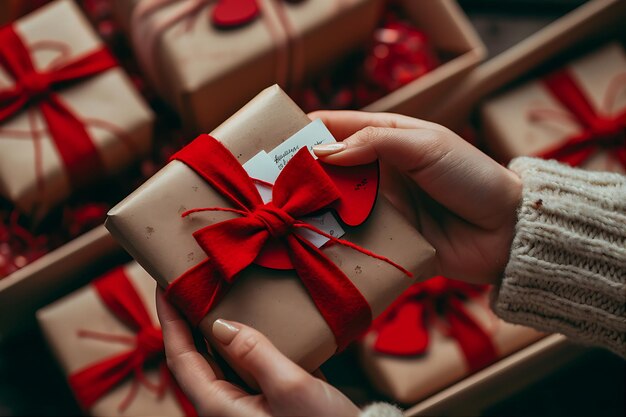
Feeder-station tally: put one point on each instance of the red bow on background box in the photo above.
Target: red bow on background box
(403, 329)
(37, 88)
(93, 382)
(264, 235)
(597, 131)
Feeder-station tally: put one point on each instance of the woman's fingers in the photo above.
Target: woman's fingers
(447, 168)
(344, 123)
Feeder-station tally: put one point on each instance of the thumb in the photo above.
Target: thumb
(248, 349)
(406, 149)
(450, 170)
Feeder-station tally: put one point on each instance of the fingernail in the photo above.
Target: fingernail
(224, 331)
(329, 148)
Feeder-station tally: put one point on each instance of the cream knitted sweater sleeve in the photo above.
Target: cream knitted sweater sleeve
(567, 270)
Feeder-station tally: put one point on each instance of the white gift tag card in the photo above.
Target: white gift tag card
(315, 133)
(327, 223)
(266, 166)
(261, 167)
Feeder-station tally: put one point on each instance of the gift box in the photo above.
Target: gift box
(69, 116)
(208, 59)
(435, 334)
(107, 341)
(149, 226)
(576, 114)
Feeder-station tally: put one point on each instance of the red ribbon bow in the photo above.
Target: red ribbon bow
(234, 244)
(37, 88)
(598, 131)
(403, 329)
(91, 383)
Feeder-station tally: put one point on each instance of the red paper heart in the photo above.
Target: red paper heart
(358, 186)
(403, 336)
(233, 13)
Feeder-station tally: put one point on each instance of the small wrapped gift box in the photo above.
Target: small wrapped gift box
(208, 58)
(307, 323)
(107, 340)
(68, 114)
(576, 114)
(435, 334)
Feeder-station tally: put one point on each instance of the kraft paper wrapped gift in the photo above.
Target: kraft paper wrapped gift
(207, 72)
(148, 225)
(449, 321)
(83, 332)
(74, 86)
(531, 120)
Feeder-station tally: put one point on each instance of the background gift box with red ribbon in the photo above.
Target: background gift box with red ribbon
(436, 333)
(107, 340)
(68, 114)
(575, 114)
(208, 58)
(216, 264)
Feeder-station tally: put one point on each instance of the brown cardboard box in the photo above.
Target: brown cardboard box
(591, 24)
(82, 310)
(510, 130)
(411, 379)
(451, 33)
(108, 97)
(148, 225)
(472, 395)
(51, 276)
(207, 73)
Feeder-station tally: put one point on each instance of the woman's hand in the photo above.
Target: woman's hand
(286, 389)
(462, 201)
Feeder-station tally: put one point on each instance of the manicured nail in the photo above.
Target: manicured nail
(224, 331)
(329, 148)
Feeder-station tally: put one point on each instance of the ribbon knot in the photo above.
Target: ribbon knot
(149, 342)
(277, 221)
(34, 84)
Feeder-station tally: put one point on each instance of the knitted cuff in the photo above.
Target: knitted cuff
(381, 410)
(567, 270)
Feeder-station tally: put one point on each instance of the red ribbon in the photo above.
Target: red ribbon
(91, 383)
(598, 131)
(403, 329)
(37, 88)
(234, 244)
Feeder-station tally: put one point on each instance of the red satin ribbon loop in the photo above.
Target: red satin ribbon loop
(233, 245)
(598, 131)
(94, 381)
(69, 135)
(403, 329)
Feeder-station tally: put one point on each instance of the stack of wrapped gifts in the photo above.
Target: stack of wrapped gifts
(176, 132)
